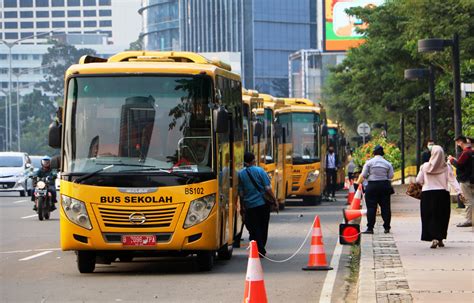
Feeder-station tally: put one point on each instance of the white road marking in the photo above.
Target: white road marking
(19, 201)
(28, 250)
(36, 256)
(328, 286)
(31, 216)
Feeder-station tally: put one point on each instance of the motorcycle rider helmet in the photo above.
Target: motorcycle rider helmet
(46, 162)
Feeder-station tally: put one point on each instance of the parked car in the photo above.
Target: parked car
(15, 167)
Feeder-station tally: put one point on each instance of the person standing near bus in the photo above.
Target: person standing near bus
(253, 183)
(378, 173)
(332, 164)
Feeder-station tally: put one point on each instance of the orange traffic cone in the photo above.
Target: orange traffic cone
(351, 193)
(351, 214)
(317, 255)
(355, 204)
(254, 284)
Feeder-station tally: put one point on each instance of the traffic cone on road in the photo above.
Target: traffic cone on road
(317, 255)
(355, 204)
(351, 214)
(254, 284)
(351, 193)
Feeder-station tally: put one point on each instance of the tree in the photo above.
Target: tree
(136, 45)
(280, 87)
(369, 84)
(57, 60)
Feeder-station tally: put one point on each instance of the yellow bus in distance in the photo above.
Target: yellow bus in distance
(151, 143)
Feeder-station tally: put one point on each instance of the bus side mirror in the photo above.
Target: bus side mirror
(221, 118)
(54, 136)
(257, 129)
(324, 130)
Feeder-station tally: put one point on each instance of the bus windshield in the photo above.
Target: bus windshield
(138, 123)
(305, 136)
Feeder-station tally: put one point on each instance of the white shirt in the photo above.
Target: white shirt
(331, 161)
(438, 181)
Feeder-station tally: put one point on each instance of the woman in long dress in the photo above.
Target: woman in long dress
(435, 176)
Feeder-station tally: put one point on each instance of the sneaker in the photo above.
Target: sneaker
(368, 231)
(434, 244)
(386, 231)
(464, 224)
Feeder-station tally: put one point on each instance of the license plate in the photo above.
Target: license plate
(139, 240)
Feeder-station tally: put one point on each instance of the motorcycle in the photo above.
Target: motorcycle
(43, 198)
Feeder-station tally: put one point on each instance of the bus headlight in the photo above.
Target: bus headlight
(76, 212)
(199, 210)
(312, 176)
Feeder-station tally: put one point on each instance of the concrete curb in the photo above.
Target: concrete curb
(366, 290)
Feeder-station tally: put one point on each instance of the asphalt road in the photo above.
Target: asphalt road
(34, 269)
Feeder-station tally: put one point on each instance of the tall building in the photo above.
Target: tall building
(25, 26)
(266, 32)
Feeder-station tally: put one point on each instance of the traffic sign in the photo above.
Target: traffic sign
(363, 129)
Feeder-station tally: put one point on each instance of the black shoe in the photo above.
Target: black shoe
(53, 208)
(368, 231)
(386, 231)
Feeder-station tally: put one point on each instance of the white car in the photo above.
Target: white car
(15, 168)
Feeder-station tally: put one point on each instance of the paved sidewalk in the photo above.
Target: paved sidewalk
(399, 267)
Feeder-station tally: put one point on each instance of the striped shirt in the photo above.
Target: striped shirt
(377, 169)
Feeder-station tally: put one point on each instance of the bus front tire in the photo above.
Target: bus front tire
(205, 260)
(225, 252)
(86, 261)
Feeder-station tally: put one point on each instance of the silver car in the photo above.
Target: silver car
(15, 168)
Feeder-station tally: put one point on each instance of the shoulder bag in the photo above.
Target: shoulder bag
(266, 196)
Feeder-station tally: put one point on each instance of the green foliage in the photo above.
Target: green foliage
(57, 60)
(364, 152)
(136, 45)
(468, 116)
(369, 84)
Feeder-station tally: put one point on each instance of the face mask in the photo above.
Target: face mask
(430, 147)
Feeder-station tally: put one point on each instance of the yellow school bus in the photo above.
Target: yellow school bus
(304, 126)
(151, 143)
(338, 141)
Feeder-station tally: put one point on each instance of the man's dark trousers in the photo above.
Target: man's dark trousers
(331, 179)
(378, 192)
(256, 221)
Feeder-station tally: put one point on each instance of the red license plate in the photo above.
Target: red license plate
(139, 240)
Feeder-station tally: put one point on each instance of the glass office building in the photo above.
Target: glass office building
(266, 32)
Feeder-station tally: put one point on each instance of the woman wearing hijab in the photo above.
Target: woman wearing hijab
(435, 175)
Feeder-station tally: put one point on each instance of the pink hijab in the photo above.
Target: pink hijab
(437, 164)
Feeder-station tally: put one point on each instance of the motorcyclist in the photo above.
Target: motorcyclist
(44, 172)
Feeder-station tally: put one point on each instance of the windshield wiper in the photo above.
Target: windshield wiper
(160, 170)
(87, 176)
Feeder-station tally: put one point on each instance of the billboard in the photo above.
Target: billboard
(339, 28)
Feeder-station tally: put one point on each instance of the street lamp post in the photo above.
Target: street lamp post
(436, 45)
(420, 73)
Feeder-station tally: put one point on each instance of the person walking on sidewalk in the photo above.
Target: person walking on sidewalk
(253, 182)
(435, 206)
(378, 173)
(465, 175)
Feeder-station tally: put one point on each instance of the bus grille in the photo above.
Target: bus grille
(296, 179)
(119, 217)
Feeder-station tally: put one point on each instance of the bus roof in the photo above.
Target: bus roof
(152, 62)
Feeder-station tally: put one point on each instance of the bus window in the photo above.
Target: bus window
(268, 130)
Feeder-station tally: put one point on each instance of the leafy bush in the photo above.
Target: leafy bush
(365, 152)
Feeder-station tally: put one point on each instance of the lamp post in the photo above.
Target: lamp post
(420, 73)
(6, 117)
(436, 45)
(10, 45)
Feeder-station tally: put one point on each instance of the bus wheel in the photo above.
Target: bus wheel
(85, 261)
(205, 260)
(225, 252)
